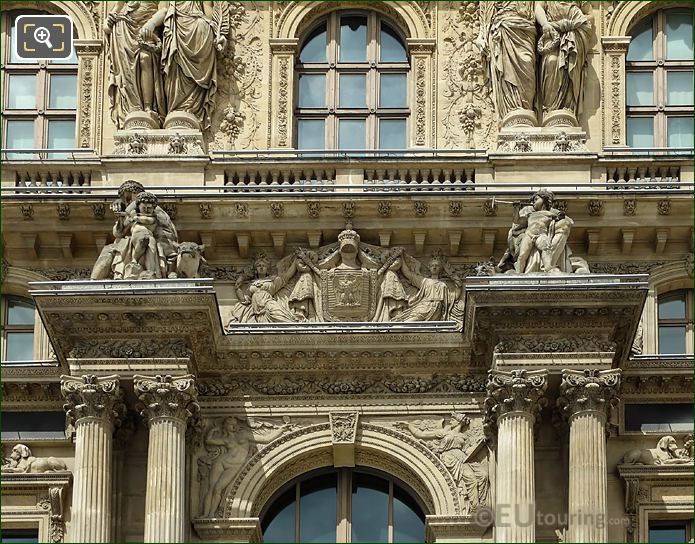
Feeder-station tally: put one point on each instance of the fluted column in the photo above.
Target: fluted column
(96, 407)
(513, 404)
(585, 398)
(168, 403)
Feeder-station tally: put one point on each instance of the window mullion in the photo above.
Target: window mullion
(390, 530)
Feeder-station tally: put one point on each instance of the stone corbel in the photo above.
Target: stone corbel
(614, 51)
(229, 530)
(243, 240)
(454, 242)
(283, 53)
(343, 433)
(419, 237)
(279, 243)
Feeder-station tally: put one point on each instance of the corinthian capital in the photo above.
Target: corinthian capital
(167, 397)
(92, 397)
(588, 391)
(515, 391)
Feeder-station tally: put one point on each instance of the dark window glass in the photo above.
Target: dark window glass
(667, 532)
(353, 38)
(279, 522)
(317, 509)
(676, 417)
(392, 49)
(19, 425)
(370, 509)
(314, 49)
(408, 519)
(19, 535)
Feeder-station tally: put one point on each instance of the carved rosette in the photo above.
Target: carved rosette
(167, 397)
(92, 397)
(588, 391)
(514, 392)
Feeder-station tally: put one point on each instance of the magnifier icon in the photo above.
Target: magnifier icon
(43, 36)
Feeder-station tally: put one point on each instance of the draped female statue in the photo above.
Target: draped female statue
(508, 39)
(566, 40)
(135, 83)
(193, 32)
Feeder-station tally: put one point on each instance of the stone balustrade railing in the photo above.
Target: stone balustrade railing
(291, 180)
(419, 179)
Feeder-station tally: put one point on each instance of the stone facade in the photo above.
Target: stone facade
(220, 314)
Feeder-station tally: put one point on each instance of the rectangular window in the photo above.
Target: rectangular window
(312, 91)
(352, 134)
(680, 88)
(22, 92)
(20, 346)
(17, 536)
(640, 89)
(19, 135)
(393, 92)
(392, 134)
(63, 93)
(670, 532)
(353, 91)
(61, 135)
(640, 131)
(311, 134)
(35, 425)
(676, 417)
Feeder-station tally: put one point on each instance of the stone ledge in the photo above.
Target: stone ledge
(229, 530)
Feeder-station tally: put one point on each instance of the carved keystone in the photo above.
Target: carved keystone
(344, 432)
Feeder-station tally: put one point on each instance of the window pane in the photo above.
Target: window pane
(353, 91)
(659, 417)
(672, 339)
(392, 49)
(311, 134)
(279, 521)
(392, 134)
(22, 92)
(680, 131)
(353, 39)
(20, 535)
(640, 131)
(370, 509)
(641, 45)
(317, 509)
(408, 519)
(312, 91)
(314, 49)
(63, 95)
(640, 88)
(679, 35)
(19, 346)
(393, 92)
(671, 533)
(61, 135)
(351, 134)
(680, 88)
(20, 135)
(672, 307)
(19, 312)
(14, 58)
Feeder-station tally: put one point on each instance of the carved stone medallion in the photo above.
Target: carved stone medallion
(348, 295)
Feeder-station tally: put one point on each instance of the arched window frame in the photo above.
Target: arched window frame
(334, 69)
(284, 49)
(344, 477)
(660, 110)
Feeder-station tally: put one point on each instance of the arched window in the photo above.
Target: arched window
(352, 85)
(39, 98)
(675, 322)
(17, 329)
(660, 81)
(344, 505)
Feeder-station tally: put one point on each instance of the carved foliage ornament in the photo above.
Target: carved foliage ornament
(167, 397)
(90, 396)
(588, 390)
(344, 426)
(515, 391)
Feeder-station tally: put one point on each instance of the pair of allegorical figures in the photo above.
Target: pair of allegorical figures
(164, 60)
(536, 79)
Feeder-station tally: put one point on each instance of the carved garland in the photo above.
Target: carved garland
(616, 85)
(420, 101)
(283, 92)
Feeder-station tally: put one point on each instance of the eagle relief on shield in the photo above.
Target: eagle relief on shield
(348, 294)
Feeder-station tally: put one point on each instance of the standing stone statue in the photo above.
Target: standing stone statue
(193, 32)
(563, 46)
(508, 39)
(135, 83)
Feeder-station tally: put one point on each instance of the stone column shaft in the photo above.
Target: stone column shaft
(585, 399)
(168, 405)
(95, 406)
(514, 402)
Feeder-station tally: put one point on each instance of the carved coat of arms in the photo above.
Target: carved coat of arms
(348, 295)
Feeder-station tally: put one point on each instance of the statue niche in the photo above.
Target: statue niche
(347, 281)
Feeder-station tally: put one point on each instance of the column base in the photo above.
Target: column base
(228, 530)
(457, 528)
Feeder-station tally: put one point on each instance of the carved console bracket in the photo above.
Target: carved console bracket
(344, 433)
(229, 530)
